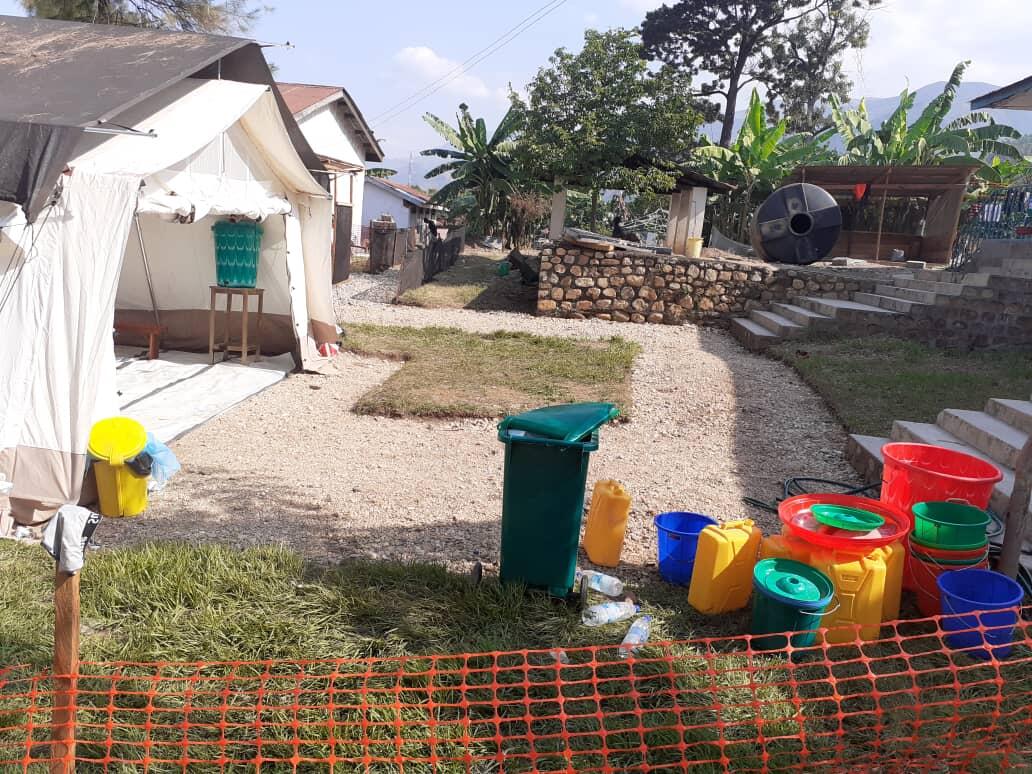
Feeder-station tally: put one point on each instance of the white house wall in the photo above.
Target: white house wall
(329, 136)
(379, 201)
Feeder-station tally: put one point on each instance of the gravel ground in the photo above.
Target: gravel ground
(711, 424)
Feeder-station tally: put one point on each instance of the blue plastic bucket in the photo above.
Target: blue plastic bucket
(678, 539)
(973, 598)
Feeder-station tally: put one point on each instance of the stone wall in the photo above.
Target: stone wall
(637, 285)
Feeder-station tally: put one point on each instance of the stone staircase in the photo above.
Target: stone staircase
(996, 434)
(925, 301)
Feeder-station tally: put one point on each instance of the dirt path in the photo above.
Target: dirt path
(711, 424)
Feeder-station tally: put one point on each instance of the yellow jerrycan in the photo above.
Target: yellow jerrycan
(724, 560)
(607, 523)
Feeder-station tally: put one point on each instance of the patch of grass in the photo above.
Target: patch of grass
(186, 603)
(360, 264)
(473, 283)
(869, 382)
(452, 373)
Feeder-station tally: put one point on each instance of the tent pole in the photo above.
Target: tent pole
(146, 269)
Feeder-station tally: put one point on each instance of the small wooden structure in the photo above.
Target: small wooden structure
(227, 346)
(688, 208)
(942, 186)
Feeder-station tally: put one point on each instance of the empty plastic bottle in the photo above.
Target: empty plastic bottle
(560, 656)
(636, 636)
(608, 612)
(600, 582)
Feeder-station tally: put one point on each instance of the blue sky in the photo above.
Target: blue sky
(383, 52)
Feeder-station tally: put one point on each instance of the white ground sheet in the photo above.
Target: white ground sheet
(182, 390)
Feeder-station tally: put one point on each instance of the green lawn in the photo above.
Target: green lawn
(870, 382)
(474, 283)
(180, 603)
(451, 373)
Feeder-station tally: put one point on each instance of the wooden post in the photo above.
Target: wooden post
(558, 220)
(1017, 516)
(65, 672)
(881, 217)
(697, 211)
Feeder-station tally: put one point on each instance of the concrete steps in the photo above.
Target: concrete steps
(995, 435)
(1016, 413)
(752, 335)
(892, 303)
(776, 324)
(991, 436)
(907, 294)
(832, 307)
(803, 316)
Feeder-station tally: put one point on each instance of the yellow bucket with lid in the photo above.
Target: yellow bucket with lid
(113, 443)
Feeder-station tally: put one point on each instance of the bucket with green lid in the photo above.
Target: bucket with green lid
(790, 597)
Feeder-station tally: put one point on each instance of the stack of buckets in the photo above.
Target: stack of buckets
(944, 493)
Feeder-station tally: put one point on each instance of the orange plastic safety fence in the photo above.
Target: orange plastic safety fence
(906, 702)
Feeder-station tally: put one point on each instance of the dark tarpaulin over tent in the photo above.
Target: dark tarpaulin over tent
(61, 78)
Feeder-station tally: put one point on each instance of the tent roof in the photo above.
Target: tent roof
(305, 98)
(893, 181)
(1016, 96)
(71, 74)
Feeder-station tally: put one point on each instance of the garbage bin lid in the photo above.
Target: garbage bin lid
(567, 422)
(116, 438)
(794, 582)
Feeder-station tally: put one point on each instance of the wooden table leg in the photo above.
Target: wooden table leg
(258, 343)
(229, 313)
(211, 328)
(243, 332)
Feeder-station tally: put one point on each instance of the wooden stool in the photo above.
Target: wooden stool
(226, 346)
(152, 331)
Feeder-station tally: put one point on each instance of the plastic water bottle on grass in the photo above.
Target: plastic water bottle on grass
(608, 612)
(600, 582)
(636, 636)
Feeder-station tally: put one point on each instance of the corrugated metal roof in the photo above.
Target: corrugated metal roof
(406, 192)
(303, 98)
(1016, 96)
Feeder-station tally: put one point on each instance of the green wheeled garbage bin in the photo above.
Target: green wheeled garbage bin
(546, 467)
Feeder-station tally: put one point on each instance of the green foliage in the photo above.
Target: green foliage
(482, 169)
(226, 17)
(804, 65)
(757, 161)
(794, 47)
(381, 172)
(600, 118)
(974, 138)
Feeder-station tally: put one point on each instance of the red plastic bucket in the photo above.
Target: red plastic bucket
(924, 577)
(918, 472)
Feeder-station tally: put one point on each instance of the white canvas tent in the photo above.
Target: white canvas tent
(219, 148)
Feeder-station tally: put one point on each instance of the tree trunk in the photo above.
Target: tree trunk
(1017, 516)
(594, 210)
(728, 127)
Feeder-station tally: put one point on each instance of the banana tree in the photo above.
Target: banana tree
(482, 169)
(760, 157)
(974, 138)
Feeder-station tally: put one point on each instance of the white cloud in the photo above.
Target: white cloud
(426, 66)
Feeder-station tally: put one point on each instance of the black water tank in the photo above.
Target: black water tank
(799, 223)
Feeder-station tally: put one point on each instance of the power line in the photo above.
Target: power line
(462, 67)
(499, 43)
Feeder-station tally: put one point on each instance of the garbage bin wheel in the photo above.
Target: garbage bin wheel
(476, 575)
(582, 594)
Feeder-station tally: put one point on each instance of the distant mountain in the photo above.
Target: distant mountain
(881, 108)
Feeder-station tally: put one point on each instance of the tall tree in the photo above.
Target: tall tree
(734, 41)
(805, 65)
(225, 17)
(600, 118)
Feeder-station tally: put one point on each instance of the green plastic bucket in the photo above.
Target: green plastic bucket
(949, 525)
(790, 597)
(238, 247)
